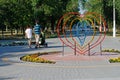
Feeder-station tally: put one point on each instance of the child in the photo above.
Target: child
(28, 34)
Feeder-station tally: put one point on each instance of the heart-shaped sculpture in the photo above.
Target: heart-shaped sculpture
(78, 32)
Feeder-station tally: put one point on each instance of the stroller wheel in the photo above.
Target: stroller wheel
(46, 45)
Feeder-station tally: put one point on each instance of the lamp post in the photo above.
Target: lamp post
(114, 22)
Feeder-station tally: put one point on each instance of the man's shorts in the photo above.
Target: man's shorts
(29, 39)
(37, 37)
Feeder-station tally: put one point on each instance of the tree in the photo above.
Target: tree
(106, 7)
(17, 13)
(49, 11)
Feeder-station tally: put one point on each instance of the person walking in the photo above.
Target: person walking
(28, 35)
(37, 31)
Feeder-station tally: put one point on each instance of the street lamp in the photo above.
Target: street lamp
(114, 23)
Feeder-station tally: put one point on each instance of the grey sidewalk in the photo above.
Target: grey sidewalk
(11, 68)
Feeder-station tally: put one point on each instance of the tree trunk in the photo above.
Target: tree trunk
(11, 32)
(23, 31)
(2, 33)
(61, 25)
(52, 24)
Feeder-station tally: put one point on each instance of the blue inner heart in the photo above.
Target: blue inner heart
(81, 30)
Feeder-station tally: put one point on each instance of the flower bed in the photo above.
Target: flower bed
(35, 58)
(13, 43)
(111, 50)
(114, 60)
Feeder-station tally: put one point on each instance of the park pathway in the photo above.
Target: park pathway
(67, 67)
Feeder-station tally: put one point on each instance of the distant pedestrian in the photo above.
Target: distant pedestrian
(28, 34)
(37, 31)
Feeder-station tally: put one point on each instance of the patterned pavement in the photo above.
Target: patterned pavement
(67, 67)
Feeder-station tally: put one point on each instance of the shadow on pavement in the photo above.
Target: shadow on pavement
(55, 46)
(9, 78)
(9, 49)
(4, 64)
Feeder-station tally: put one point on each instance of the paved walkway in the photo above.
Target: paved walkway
(67, 67)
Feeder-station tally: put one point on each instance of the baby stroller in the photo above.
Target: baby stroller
(42, 40)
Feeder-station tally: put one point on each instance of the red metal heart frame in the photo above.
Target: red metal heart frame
(67, 18)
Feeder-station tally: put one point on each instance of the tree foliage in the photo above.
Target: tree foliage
(16, 14)
(105, 7)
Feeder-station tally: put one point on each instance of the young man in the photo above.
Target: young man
(37, 31)
(28, 34)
